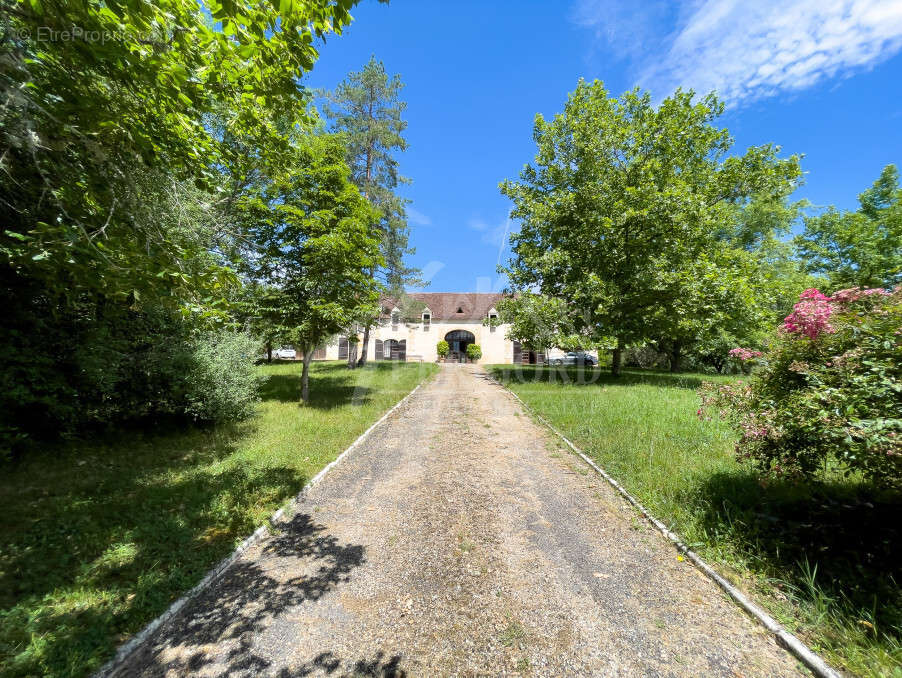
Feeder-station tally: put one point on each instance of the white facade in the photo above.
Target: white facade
(421, 340)
(455, 317)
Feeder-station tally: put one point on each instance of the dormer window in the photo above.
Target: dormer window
(493, 320)
(460, 309)
(427, 320)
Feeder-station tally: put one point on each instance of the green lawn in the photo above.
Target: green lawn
(825, 561)
(98, 537)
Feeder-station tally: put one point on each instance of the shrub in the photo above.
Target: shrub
(645, 356)
(221, 384)
(744, 359)
(442, 348)
(91, 371)
(474, 352)
(829, 391)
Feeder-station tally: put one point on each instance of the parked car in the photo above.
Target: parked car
(574, 358)
(286, 352)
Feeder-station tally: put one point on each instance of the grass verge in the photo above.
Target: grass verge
(98, 537)
(824, 559)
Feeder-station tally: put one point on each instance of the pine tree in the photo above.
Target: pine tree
(366, 108)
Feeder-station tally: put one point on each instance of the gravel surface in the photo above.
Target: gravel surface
(461, 539)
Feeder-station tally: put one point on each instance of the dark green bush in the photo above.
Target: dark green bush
(94, 365)
(221, 384)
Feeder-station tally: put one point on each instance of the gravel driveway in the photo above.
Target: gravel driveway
(461, 540)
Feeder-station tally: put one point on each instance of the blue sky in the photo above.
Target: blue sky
(818, 77)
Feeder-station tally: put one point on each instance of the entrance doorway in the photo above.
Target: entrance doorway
(527, 357)
(458, 340)
(391, 349)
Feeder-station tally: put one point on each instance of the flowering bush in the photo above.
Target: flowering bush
(811, 315)
(744, 358)
(829, 391)
(745, 354)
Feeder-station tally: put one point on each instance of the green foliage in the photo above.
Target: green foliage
(442, 348)
(624, 210)
(861, 248)
(366, 110)
(411, 310)
(716, 295)
(828, 400)
(101, 535)
(91, 117)
(221, 382)
(314, 248)
(81, 372)
(133, 148)
(539, 322)
(474, 351)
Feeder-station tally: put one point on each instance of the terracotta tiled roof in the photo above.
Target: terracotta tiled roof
(445, 305)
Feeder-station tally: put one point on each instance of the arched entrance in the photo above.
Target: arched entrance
(458, 340)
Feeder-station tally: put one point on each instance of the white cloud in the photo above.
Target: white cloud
(492, 234)
(498, 235)
(746, 50)
(417, 217)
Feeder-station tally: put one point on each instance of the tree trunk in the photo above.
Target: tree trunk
(268, 351)
(674, 356)
(366, 347)
(617, 359)
(352, 355)
(305, 377)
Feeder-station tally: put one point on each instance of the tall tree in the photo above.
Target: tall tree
(111, 195)
(738, 288)
(314, 247)
(366, 108)
(861, 248)
(622, 193)
(85, 117)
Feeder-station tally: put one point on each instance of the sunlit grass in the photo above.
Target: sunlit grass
(825, 560)
(98, 537)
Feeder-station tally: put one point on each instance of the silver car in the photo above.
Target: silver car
(574, 358)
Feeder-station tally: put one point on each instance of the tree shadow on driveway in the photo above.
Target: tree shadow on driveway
(328, 664)
(223, 622)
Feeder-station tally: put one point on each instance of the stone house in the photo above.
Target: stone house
(409, 329)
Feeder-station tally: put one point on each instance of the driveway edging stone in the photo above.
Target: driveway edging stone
(792, 643)
(130, 646)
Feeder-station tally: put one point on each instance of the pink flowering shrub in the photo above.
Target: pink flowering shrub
(745, 354)
(811, 316)
(744, 358)
(828, 393)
